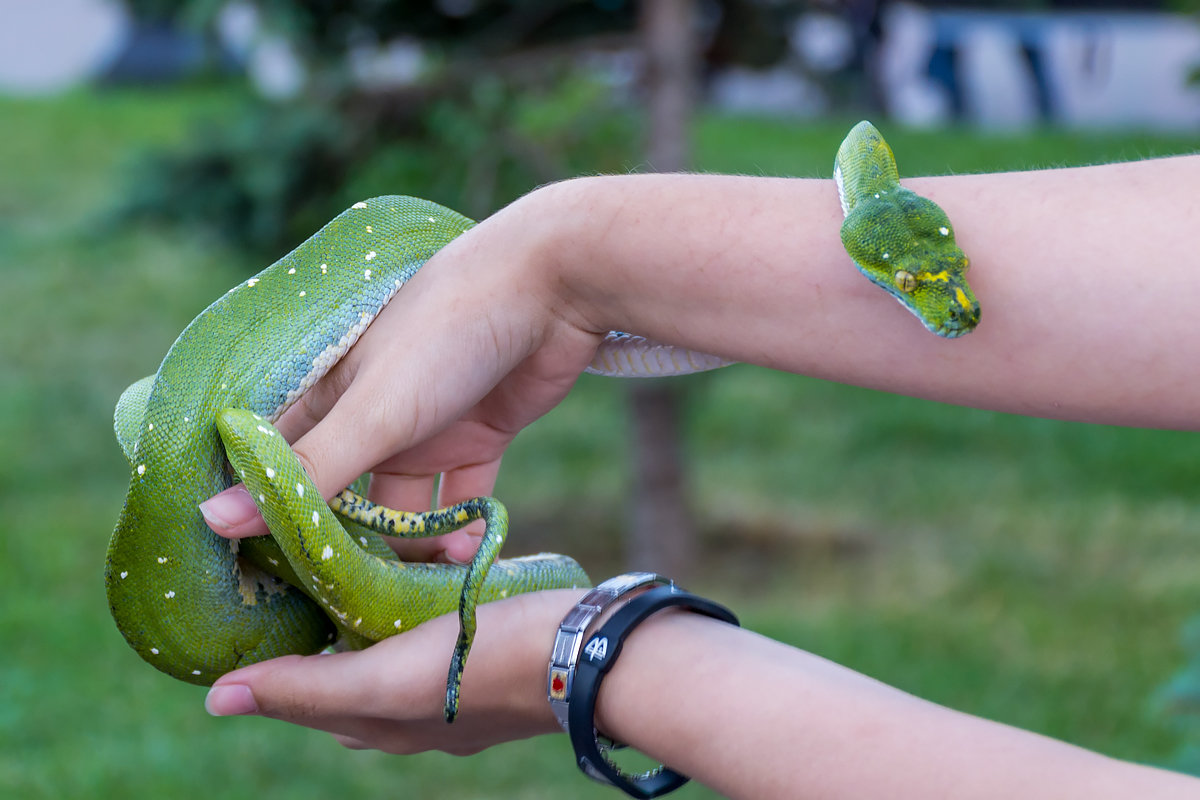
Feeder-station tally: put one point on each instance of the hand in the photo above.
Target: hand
(389, 696)
(474, 348)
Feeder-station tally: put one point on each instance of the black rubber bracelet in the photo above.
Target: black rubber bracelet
(599, 654)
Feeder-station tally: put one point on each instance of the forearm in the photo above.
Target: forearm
(745, 715)
(754, 718)
(1087, 278)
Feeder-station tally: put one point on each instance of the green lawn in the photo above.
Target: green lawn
(1029, 571)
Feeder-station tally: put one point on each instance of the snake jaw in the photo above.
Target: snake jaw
(958, 322)
(904, 243)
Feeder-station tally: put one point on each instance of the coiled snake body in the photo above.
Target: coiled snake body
(195, 605)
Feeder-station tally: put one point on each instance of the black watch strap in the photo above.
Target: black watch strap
(599, 654)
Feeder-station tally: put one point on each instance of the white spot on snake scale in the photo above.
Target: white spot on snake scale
(162, 559)
(154, 650)
(398, 623)
(302, 293)
(367, 274)
(292, 271)
(262, 498)
(266, 431)
(944, 231)
(359, 205)
(324, 268)
(252, 282)
(169, 594)
(195, 672)
(370, 255)
(370, 229)
(141, 470)
(149, 426)
(362, 539)
(300, 489)
(270, 473)
(316, 518)
(326, 553)
(358, 622)
(124, 575)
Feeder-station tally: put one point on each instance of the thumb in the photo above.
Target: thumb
(328, 691)
(333, 452)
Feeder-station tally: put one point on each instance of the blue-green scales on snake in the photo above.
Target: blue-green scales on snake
(195, 605)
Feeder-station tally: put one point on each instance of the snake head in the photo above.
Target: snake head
(905, 244)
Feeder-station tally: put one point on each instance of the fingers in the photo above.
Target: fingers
(353, 695)
(351, 742)
(473, 480)
(416, 493)
(404, 492)
(233, 514)
(403, 391)
(390, 696)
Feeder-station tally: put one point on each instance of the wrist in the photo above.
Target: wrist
(521, 646)
(716, 264)
(569, 221)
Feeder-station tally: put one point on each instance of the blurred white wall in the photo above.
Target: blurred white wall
(994, 69)
(1011, 69)
(52, 45)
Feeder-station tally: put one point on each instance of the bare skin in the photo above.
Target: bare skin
(1088, 283)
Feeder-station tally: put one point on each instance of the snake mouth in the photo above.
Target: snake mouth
(957, 325)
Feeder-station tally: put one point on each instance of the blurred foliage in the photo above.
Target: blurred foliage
(268, 177)
(323, 29)
(255, 181)
(500, 106)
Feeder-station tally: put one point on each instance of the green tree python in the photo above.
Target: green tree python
(196, 606)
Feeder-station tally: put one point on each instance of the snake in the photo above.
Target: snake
(196, 606)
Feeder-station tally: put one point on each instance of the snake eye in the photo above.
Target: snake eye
(904, 281)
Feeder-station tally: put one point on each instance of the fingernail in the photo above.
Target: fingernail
(230, 700)
(229, 510)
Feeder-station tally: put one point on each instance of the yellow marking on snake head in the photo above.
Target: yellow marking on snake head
(962, 299)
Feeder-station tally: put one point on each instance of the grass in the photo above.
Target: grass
(1029, 571)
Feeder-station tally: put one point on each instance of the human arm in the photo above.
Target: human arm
(1086, 318)
(743, 714)
(1087, 279)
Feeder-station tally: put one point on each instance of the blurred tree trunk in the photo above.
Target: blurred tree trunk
(661, 535)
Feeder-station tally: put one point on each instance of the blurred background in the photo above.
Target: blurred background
(153, 153)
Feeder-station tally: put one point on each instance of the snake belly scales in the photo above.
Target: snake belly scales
(196, 606)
